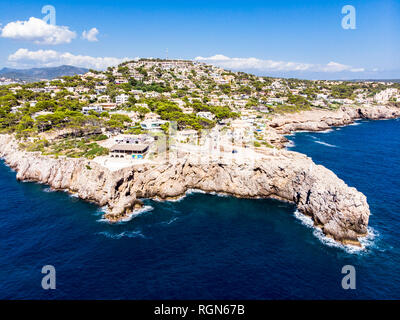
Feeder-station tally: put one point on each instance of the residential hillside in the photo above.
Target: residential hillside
(152, 96)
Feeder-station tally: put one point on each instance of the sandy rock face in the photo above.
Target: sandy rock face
(341, 211)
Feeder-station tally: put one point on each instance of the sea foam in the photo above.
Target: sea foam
(136, 213)
(366, 242)
(326, 144)
(170, 221)
(290, 144)
(129, 217)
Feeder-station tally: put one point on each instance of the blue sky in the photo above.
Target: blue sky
(286, 38)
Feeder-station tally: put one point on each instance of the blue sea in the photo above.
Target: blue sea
(209, 246)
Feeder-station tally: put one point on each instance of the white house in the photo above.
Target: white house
(263, 109)
(275, 100)
(152, 125)
(107, 105)
(95, 108)
(16, 108)
(121, 99)
(121, 81)
(240, 103)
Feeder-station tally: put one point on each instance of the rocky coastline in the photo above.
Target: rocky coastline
(321, 120)
(339, 210)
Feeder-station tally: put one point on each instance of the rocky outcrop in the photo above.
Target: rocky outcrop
(320, 120)
(341, 211)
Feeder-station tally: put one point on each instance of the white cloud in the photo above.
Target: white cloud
(90, 35)
(52, 58)
(337, 67)
(38, 31)
(271, 65)
(357, 69)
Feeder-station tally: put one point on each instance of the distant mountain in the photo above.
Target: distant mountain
(36, 74)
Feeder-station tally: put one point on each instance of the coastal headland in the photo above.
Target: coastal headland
(340, 211)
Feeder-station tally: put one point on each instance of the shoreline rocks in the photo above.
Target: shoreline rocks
(339, 210)
(321, 120)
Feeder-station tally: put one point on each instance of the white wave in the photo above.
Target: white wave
(355, 124)
(305, 220)
(188, 192)
(369, 240)
(70, 194)
(179, 199)
(290, 144)
(136, 213)
(326, 131)
(170, 221)
(192, 191)
(311, 131)
(100, 212)
(366, 242)
(222, 195)
(170, 200)
(302, 131)
(326, 144)
(218, 194)
(129, 217)
(124, 234)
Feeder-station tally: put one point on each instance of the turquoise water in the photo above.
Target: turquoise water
(208, 246)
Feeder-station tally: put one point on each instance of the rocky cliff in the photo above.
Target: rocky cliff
(341, 211)
(319, 120)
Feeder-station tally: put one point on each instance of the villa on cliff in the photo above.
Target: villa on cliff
(135, 151)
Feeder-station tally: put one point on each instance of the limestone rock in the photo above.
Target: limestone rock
(341, 211)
